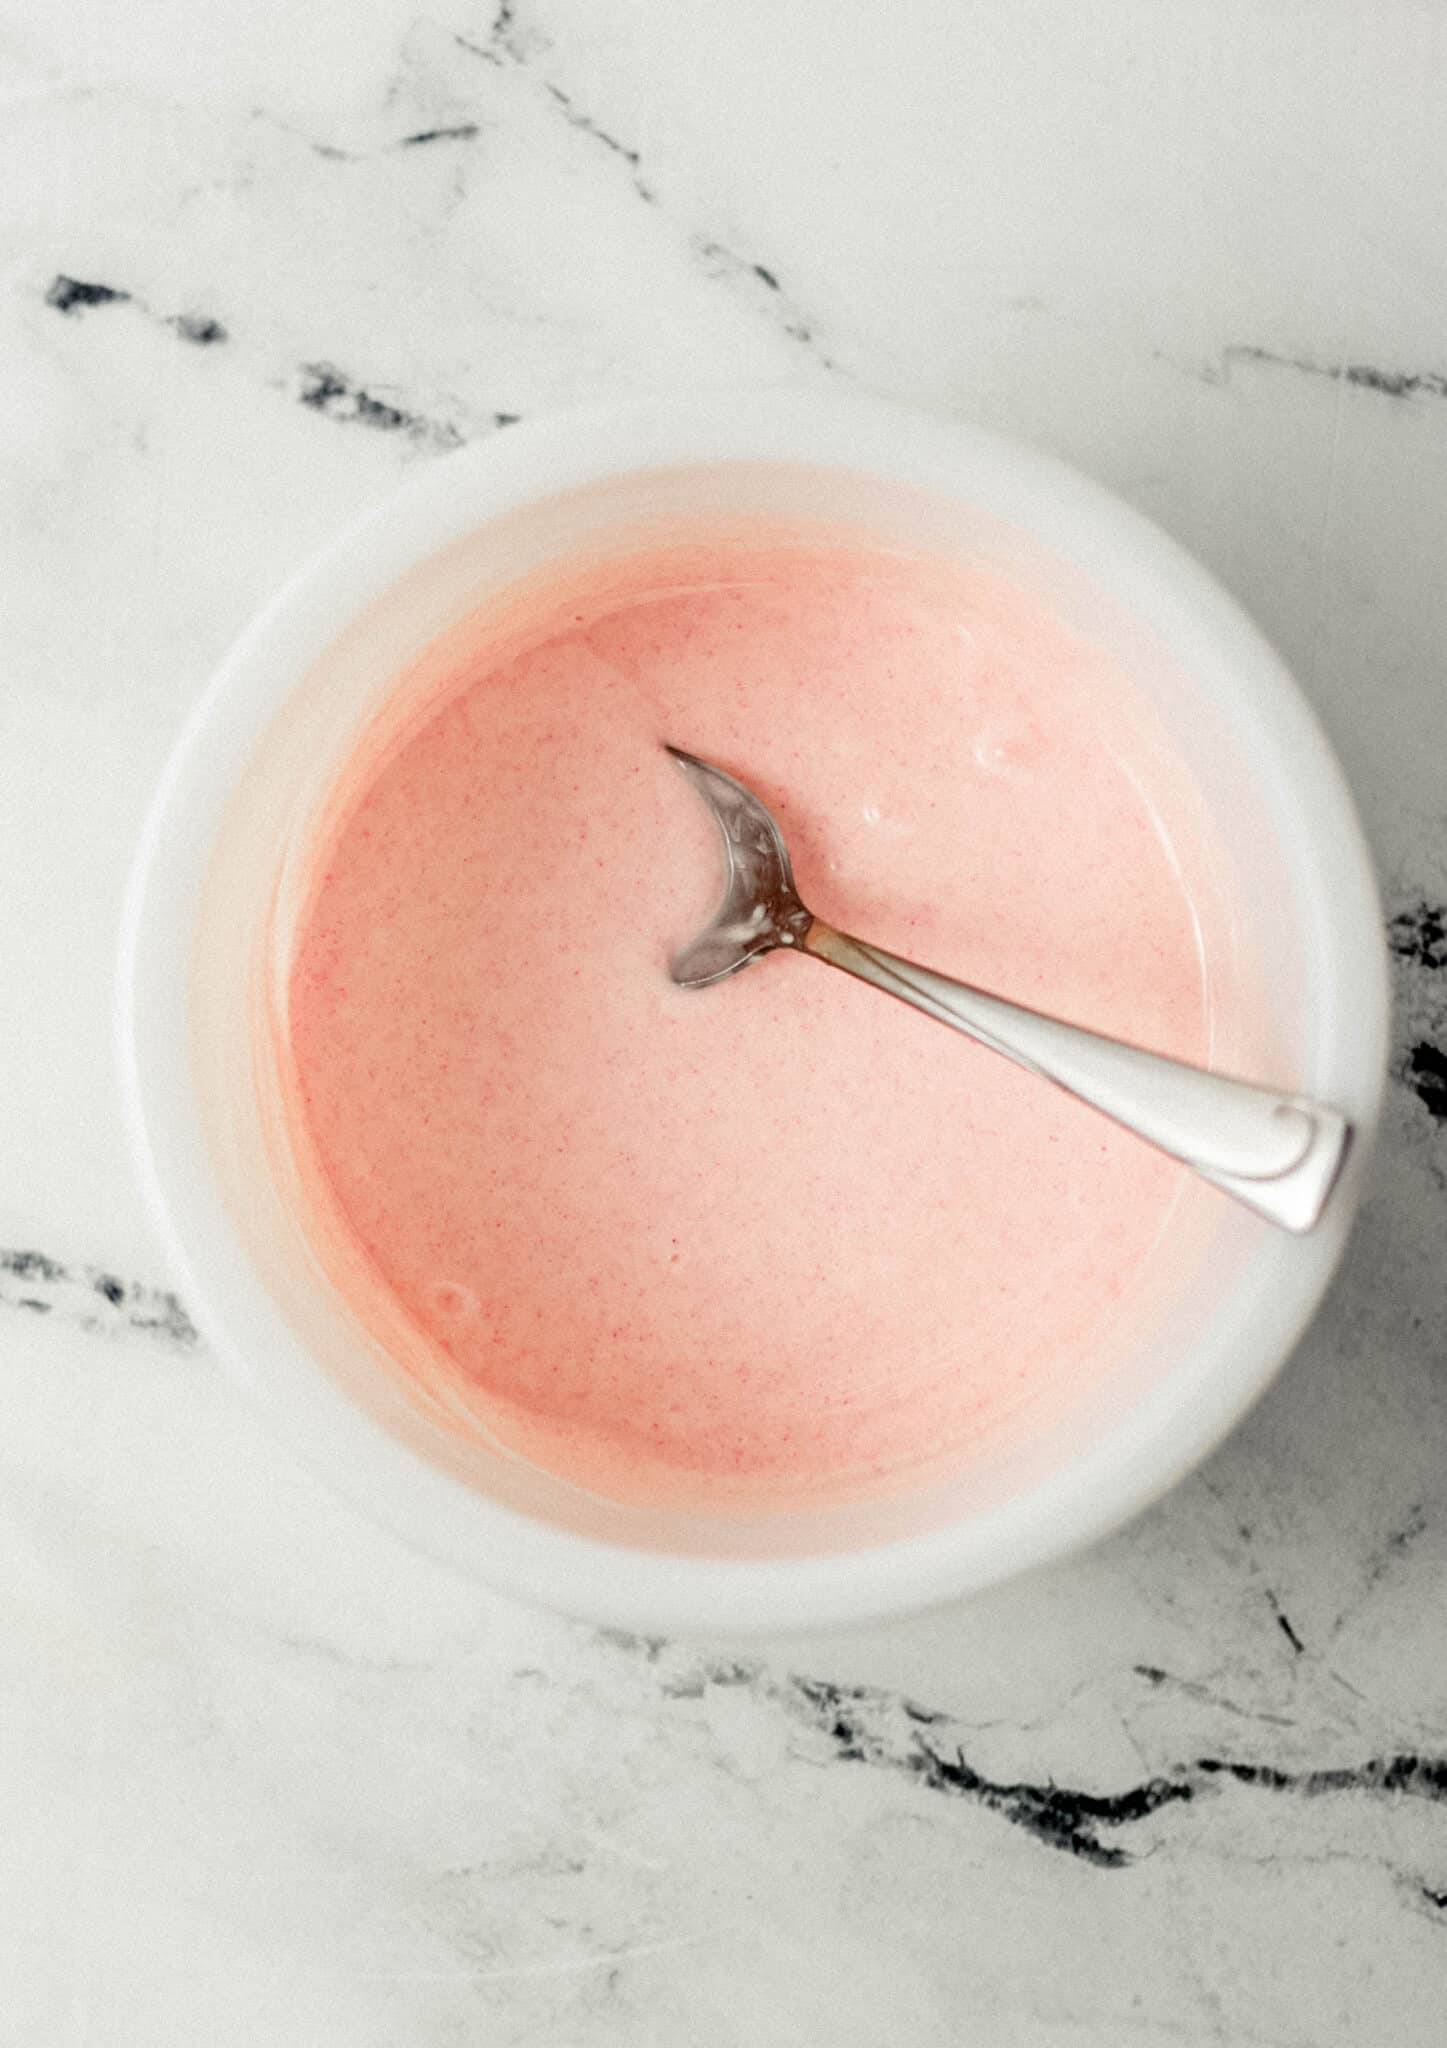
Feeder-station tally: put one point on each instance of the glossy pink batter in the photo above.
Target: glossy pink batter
(783, 1239)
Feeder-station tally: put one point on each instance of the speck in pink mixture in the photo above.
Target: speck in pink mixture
(784, 1239)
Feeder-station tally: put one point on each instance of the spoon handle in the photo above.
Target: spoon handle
(1279, 1154)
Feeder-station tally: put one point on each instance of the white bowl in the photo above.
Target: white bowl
(255, 759)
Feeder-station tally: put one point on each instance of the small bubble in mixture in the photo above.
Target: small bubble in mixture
(1006, 747)
(453, 1302)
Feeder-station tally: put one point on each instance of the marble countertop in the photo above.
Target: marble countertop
(264, 1775)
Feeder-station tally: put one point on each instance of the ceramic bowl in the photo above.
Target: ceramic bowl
(255, 760)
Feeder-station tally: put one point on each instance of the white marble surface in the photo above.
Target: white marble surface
(265, 1776)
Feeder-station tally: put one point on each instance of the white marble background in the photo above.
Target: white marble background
(265, 1776)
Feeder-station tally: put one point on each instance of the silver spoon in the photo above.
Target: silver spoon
(1279, 1154)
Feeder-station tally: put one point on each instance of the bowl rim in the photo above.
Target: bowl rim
(1160, 1440)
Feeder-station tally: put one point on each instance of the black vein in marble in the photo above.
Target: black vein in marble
(322, 386)
(1195, 1689)
(878, 1730)
(1425, 1072)
(504, 31)
(73, 296)
(1399, 1542)
(865, 1726)
(1418, 935)
(1394, 383)
(1365, 376)
(199, 329)
(1283, 1622)
(723, 262)
(502, 42)
(92, 1298)
(505, 45)
(475, 49)
(327, 390)
(586, 125)
(461, 131)
(1406, 1774)
(334, 153)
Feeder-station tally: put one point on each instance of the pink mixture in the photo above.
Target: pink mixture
(782, 1239)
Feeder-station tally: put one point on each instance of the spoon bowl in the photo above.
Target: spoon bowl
(760, 908)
